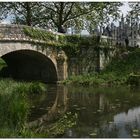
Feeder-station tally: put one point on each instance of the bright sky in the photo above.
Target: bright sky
(125, 8)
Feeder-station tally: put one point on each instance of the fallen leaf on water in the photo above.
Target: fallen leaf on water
(41, 108)
(93, 134)
(78, 108)
(110, 122)
(75, 105)
(94, 112)
(113, 107)
(135, 135)
(99, 110)
(135, 131)
(83, 108)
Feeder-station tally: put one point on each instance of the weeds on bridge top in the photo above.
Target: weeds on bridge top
(71, 44)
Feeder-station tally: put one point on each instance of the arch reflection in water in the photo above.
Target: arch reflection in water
(102, 112)
(54, 104)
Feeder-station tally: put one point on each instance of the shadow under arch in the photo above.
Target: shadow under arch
(29, 65)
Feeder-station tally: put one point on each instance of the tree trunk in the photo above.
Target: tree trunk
(29, 14)
(60, 26)
(61, 29)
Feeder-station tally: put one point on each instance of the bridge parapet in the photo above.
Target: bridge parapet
(10, 32)
(16, 32)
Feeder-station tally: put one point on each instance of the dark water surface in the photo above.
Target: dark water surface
(102, 112)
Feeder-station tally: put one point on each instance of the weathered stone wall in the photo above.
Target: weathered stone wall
(12, 38)
(90, 59)
(9, 32)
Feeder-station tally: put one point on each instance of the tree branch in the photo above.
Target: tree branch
(68, 13)
(76, 16)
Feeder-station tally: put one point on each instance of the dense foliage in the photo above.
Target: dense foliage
(134, 13)
(71, 44)
(60, 15)
(15, 106)
(123, 69)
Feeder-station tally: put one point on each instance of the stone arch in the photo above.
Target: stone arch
(7, 49)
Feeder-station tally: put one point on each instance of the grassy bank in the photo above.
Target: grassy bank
(123, 69)
(15, 106)
(15, 110)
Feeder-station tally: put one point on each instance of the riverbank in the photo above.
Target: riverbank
(15, 105)
(124, 69)
(15, 109)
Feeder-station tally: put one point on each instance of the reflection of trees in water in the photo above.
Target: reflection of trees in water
(101, 106)
(107, 131)
(107, 99)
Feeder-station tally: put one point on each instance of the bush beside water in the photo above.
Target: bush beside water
(14, 105)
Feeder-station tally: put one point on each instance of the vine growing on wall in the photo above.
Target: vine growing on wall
(71, 44)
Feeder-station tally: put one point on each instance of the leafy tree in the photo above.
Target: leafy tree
(78, 14)
(22, 12)
(60, 15)
(3, 11)
(107, 11)
(135, 12)
(64, 14)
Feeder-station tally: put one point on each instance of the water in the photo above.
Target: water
(102, 112)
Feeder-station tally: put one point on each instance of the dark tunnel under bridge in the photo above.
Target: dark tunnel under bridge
(29, 65)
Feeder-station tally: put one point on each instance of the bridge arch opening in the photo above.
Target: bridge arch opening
(29, 65)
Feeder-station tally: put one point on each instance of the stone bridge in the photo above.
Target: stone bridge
(27, 60)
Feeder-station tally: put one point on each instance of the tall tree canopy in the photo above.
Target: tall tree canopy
(67, 14)
(60, 15)
(135, 12)
(21, 12)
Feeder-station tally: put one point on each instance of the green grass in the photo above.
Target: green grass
(125, 65)
(15, 106)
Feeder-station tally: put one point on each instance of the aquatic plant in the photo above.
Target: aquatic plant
(56, 128)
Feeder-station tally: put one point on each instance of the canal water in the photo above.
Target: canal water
(103, 112)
